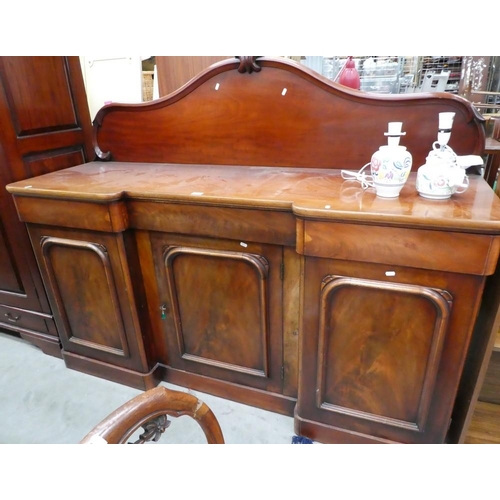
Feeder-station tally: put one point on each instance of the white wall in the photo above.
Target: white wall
(111, 79)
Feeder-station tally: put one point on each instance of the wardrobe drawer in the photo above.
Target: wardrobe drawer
(14, 318)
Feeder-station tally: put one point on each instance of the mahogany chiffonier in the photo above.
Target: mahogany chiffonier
(215, 244)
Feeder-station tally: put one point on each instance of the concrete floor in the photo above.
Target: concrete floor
(43, 402)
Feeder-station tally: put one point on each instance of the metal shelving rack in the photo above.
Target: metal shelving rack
(394, 74)
(432, 66)
(378, 74)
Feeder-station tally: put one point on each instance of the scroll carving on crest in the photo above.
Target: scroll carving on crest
(99, 154)
(248, 64)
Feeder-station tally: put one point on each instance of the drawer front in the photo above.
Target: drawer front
(109, 217)
(20, 319)
(416, 248)
(261, 226)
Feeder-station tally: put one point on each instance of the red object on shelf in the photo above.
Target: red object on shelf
(349, 75)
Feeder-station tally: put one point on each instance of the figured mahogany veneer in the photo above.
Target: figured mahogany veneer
(219, 248)
(281, 114)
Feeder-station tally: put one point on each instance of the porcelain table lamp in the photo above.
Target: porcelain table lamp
(391, 164)
(443, 174)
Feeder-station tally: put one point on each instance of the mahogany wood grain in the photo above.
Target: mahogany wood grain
(112, 371)
(154, 343)
(91, 294)
(20, 282)
(376, 322)
(43, 108)
(420, 248)
(58, 255)
(175, 71)
(32, 115)
(37, 328)
(205, 280)
(285, 108)
(85, 215)
(21, 319)
(10, 279)
(477, 358)
(48, 344)
(309, 193)
(316, 431)
(223, 222)
(291, 320)
(44, 126)
(243, 224)
(236, 333)
(271, 401)
(157, 199)
(51, 161)
(402, 351)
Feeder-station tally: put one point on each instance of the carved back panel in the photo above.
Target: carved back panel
(275, 112)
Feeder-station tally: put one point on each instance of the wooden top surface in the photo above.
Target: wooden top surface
(309, 193)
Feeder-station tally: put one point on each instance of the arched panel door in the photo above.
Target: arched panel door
(381, 351)
(221, 309)
(91, 295)
(382, 367)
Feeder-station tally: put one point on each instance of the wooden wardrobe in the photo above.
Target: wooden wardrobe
(44, 126)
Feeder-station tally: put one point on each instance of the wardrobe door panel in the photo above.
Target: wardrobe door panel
(38, 94)
(44, 126)
(10, 281)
